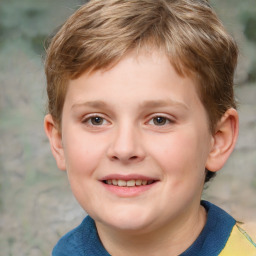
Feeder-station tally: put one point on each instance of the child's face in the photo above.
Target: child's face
(139, 122)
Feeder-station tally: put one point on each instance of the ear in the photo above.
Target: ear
(54, 136)
(223, 141)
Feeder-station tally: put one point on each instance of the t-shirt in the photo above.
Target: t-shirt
(220, 236)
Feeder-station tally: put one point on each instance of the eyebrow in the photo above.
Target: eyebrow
(144, 104)
(94, 104)
(163, 103)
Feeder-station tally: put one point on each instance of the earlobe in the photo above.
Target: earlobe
(223, 141)
(55, 140)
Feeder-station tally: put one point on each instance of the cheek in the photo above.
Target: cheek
(82, 153)
(179, 155)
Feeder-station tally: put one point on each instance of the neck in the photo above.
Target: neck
(171, 239)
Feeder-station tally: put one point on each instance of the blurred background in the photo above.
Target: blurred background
(36, 204)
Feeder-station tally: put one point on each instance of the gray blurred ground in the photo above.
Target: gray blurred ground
(36, 205)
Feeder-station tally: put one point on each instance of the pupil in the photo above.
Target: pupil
(159, 120)
(97, 120)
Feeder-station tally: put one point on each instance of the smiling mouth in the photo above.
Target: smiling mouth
(128, 183)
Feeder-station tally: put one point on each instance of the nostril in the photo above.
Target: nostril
(131, 158)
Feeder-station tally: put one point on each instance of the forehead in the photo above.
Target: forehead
(148, 78)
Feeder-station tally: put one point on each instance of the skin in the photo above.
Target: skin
(140, 118)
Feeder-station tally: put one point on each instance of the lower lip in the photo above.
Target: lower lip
(128, 191)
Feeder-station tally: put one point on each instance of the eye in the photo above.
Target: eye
(160, 121)
(95, 121)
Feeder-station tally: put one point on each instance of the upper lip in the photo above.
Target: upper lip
(127, 177)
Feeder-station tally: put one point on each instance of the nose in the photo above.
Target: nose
(126, 145)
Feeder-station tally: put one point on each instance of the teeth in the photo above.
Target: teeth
(138, 182)
(144, 182)
(129, 183)
(121, 183)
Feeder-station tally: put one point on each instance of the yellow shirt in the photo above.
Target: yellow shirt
(239, 244)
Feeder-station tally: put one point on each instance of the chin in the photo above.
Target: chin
(126, 219)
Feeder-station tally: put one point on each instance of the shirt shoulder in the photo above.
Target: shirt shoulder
(81, 241)
(70, 243)
(239, 243)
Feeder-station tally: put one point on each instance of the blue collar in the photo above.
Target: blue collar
(210, 242)
(214, 235)
(84, 239)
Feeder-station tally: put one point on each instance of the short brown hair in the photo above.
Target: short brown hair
(102, 32)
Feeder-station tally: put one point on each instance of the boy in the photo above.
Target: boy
(141, 115)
